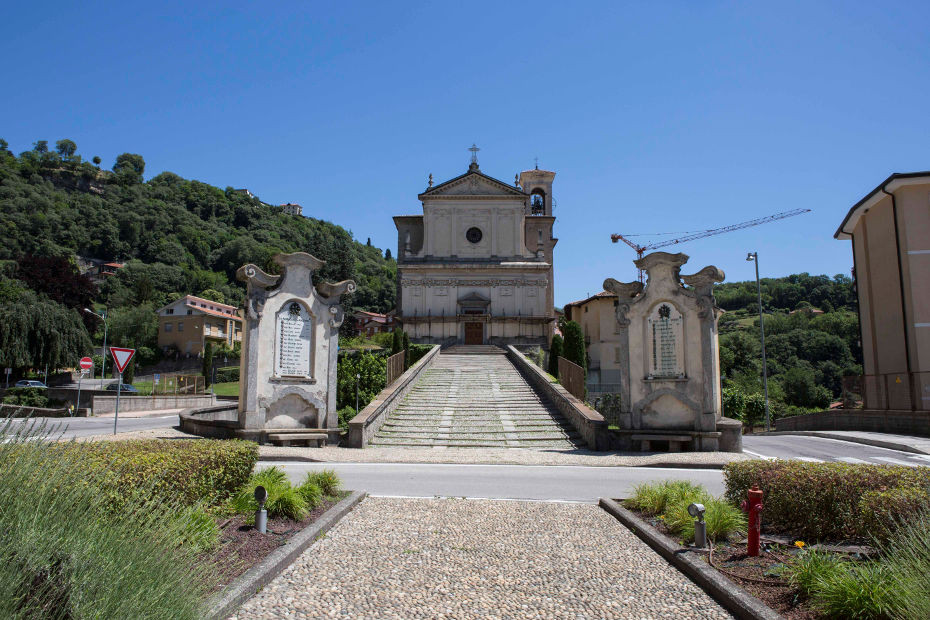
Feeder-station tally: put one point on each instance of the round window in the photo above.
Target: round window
(474, 234)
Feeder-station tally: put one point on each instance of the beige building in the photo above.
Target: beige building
(190, 322)
(890, 233)
(598, 319)
(476, 266)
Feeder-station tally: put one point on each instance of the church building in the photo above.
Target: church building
(476, 266)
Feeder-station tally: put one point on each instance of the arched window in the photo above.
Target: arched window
(538, 202)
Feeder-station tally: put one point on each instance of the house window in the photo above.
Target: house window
(169, 311)
(180, 326)
(190, 312)
(167, 327)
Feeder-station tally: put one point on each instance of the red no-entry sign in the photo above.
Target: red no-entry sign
(86, 363)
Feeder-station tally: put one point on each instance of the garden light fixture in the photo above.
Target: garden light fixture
(261, 515)
(700, 527)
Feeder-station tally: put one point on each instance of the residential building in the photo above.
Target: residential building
(890, 233)
(190, 322)
(598, 320)
(292, 209)
(371, 323)
(476, 266)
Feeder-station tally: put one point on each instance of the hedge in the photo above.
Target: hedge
(229, 374)
(189, 471)
(884, 511)
(817, 500)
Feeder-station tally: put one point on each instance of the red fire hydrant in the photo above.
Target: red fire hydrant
(753, 507)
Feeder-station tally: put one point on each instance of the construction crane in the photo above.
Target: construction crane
(700, 234)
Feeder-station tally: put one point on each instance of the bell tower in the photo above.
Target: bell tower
(538, 184)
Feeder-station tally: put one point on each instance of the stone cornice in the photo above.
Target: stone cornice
(473, 267)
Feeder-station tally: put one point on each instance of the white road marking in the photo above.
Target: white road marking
(851, 459)
(895, 461)
(761, 456)
(807, 459)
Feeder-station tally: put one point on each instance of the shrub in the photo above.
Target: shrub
(199, 530)
(555, 350)
(672, 498)
(26, 397)
(227, 375)
(809, 567)
(653, 498)
(190, 472)
(327, 480)
(344, 415)
(882, 512)
(816, 500)
(416, 353)
(64, 555)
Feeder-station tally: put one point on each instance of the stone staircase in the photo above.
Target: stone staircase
(473, 396)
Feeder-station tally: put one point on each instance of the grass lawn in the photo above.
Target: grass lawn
(230, 388)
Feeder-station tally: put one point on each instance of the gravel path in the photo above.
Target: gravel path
(486, 456)
(452, 558)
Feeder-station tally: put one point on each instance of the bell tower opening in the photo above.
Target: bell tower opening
(538, 202)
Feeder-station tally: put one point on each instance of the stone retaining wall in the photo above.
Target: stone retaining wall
(19, 411)
(369, 420)
(107, 404)
(870, 420)
(219, 422)
(588, 422)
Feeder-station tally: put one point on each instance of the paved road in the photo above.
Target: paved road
(817, 450)
(569, 483)
(85, 427)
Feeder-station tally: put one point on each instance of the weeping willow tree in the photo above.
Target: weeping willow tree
(36, 332)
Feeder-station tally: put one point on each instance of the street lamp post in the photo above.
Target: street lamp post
(103, 365)
(754, 257)
(358, 377)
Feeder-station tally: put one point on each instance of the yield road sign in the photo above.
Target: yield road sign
(121, 357)
(86, 363)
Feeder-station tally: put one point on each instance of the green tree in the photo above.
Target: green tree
(213, 295)
(406, 345)
(130, 166)
(97, 161)
(574, 344)
(66, 149)
(40, 146)
(373, 372)
(555, 351)
(802, 390)
(208, 364)
(397, 344)
(133, 326)
(35, 332)
(130, 373)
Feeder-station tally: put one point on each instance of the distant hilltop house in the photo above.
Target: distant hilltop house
(290, 208)
(371, 323)
(97, 269)
(190, 322)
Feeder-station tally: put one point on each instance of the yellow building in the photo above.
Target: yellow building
(190, 322)
(890, 233)
(598, 320)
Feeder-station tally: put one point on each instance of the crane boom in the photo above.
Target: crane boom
(700, 234)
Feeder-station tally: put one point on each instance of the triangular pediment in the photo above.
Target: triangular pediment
(473, 183)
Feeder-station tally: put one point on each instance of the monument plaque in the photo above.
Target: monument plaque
(294, 342)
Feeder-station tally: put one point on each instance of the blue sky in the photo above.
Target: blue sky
(657, 117)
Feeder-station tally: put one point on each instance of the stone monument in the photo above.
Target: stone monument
(669, 360)
(287, 377)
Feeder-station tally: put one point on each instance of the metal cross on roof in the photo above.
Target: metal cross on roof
(536, 160)
(474, 153)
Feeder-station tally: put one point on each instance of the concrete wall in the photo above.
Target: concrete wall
(18, 411)
(369, 420)
(107, 404)
(881, 421)
(588, 422)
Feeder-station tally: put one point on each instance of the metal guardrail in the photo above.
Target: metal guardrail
(900, 391)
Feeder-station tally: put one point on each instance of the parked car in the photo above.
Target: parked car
(31, 383)
(122, 388)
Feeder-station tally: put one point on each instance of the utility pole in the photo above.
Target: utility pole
(754, 257)
(358, 377)
(103, 365)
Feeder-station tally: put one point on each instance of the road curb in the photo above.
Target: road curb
(224, 603)
(306, 459)
(732, 597)
(867, 441)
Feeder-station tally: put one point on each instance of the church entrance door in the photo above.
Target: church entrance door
(474, 333)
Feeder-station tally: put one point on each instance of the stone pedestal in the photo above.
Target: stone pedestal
(669, 362)
(287, 379)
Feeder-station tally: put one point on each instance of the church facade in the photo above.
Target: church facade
(476, 266)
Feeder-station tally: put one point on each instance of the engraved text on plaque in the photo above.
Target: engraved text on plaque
(293, 341)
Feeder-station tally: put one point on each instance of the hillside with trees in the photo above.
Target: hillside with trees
(811, 342)
(174, 236)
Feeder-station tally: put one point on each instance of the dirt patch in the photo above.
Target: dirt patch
(242, 547)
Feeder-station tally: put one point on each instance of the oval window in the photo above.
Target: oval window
(474, 234)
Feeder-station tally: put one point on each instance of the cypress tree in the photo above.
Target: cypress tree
(396, 342)
(574, 350)
(406, 350)
(207, 364)
(555, 350)
(130, 372)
